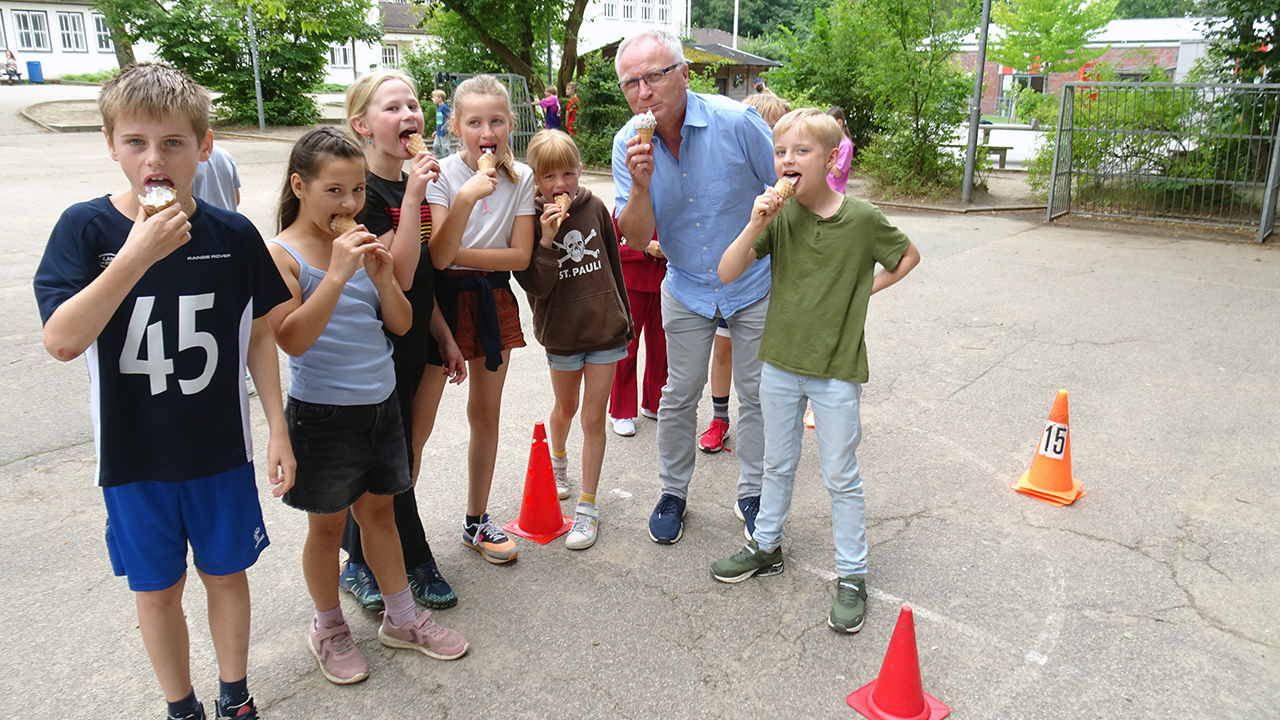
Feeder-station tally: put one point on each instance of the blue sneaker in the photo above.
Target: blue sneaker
(429, 586)
(747, 509)
(357, 579)
(666, 524)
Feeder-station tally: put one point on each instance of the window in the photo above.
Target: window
(646, 10)
(664, 11)
(103, 34)
(628, 9)
(33, 29)
(71, 29)
(611, 9)
(390, 56)
(340, 56)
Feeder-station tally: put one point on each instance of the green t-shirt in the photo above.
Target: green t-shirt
(822, 273)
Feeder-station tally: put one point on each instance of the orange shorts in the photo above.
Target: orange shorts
(468, 305)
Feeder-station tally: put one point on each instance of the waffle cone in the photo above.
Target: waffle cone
(563, 200)
(341, 224)
(784, 188)
(415, 144)
(645, 134)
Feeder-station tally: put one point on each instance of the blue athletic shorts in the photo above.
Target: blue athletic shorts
(150, 523)
(571, 363)
(722, 328)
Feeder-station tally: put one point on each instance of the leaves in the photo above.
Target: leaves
(1048, 36)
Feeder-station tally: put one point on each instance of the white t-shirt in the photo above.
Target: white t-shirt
(489, 226)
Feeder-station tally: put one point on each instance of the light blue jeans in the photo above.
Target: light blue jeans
(839, 427)
(689, 337)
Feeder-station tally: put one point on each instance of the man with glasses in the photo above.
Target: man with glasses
(695, 184)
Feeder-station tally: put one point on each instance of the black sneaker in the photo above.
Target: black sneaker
(243, 711)
(197, 715)
(357, 579)
(429, 586)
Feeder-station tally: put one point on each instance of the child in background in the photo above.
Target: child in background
(172, 429)
(382, 111)
(771, 108)
(440, 145)
(839, 177)
(344, 417)
(484, 230)
(571, 109)
(825, 248)
(550, 107)
(642, 273)
(575, 277)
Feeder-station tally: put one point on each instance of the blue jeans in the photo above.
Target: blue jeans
(689, 337)
(839, 427)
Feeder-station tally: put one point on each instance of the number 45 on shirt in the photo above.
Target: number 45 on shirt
(151, 361)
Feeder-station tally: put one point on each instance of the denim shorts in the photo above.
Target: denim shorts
(344, 451)
(572, 363)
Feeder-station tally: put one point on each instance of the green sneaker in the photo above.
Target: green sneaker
(749, 561)
(850, 605)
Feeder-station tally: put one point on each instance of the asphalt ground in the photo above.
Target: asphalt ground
(1151, 597)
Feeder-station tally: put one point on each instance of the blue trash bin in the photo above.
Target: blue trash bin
(34, 73)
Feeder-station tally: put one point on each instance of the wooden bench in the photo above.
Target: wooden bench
(987, 151)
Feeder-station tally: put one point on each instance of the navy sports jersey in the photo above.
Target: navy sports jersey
(382, 215)
(166, 375)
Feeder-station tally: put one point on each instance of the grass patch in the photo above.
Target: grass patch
(93, 77)
(329, 88)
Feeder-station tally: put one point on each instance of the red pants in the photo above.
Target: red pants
(646, 314)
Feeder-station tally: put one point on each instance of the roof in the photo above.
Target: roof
(402, 17)
(1148, 32)
(708, 53)
(712, 35)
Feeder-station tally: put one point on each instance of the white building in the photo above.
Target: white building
(65, 37)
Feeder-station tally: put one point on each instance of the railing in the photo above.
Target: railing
(527, 123)
(1195, 153)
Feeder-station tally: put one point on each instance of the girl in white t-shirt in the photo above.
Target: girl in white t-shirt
(484, 230)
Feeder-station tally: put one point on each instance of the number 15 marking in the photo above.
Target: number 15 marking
(1054, 441)
(153, 363)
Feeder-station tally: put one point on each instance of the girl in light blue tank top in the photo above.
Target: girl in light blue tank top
(343, 415)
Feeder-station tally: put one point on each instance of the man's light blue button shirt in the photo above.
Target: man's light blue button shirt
(702, 201)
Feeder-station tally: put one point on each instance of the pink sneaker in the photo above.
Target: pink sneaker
(340, 660)
(425, 636)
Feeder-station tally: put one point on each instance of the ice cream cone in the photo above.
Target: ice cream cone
(563, 200)
(415, 144)
(784, 188)
(487, 161)
(158, 197)
(645, 124)
(342, 223)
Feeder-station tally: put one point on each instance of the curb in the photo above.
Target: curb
(959, 211)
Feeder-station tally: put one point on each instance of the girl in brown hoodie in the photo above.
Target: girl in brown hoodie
(580, 313)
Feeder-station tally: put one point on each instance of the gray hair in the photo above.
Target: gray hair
(664, 38)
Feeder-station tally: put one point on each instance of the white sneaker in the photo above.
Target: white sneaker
(585, 525)
(649, 414)
(562, 481)
(626, 427)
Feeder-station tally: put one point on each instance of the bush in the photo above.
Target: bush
(93, 77)
(602, 110)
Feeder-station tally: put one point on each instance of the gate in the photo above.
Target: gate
(526, 119)
(1196, 153)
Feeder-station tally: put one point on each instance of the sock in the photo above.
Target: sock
(560, 461)
(587, 498)
(472, 521)
(720, 407)
(400, 607)
(232, 694)
(328, 618)
(186, 707)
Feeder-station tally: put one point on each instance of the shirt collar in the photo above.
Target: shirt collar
(695, 110)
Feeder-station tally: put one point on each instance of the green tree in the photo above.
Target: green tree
(513, 34)
(1244, 39)
(755, 17)
(209, 39)
(1049, 35)
(1131, 9)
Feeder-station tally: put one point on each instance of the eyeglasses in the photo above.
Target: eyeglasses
(653, 80)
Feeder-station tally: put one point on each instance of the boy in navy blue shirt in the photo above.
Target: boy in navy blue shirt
(168, 309)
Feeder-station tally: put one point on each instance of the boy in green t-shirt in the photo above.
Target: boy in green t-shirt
(825, 248)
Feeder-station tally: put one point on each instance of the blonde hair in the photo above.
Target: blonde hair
(360, 94)
(157, 91)
(437, 94)
(551, 150)
(551, 89)
(487, 85)
(770, 107)
(822, 126)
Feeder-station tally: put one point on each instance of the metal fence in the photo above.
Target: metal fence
(527, 123)
(1196, 153)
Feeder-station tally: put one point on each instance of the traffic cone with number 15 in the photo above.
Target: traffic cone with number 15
(1050, 475)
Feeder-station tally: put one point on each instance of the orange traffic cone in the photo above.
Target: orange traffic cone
(896, 694)
(540, 519)
(1049, 477)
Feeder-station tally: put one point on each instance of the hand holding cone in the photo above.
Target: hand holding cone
(784, 187)
(158, 197)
